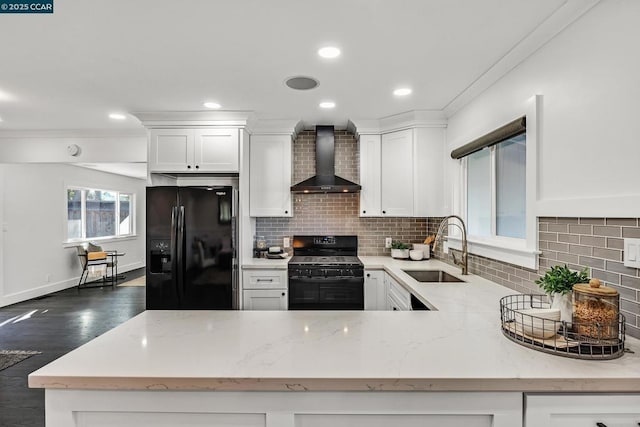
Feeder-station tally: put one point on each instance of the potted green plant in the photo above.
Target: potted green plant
(558, 284)
(399, 250)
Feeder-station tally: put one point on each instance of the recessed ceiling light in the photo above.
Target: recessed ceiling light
(327, 104)
(117, 116)
(212, 105)
(329, 52)
(403, 91)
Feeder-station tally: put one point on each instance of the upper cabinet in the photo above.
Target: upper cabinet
(397, 173)
(370, 170)
(216, 150)
(270, 180)
(194, 150)
(402, 173)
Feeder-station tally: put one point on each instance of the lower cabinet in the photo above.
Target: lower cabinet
(398, 298)
(150, 408)
(265, 299)
(582, 410)
(265, 290)
(375, 297)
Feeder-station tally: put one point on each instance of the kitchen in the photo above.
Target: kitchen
(567, 201)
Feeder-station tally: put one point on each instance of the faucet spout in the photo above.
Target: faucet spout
(463, 262)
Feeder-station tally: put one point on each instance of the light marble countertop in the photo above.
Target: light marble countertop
(458, 347)
(265, 264)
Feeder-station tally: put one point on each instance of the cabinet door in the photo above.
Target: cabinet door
(370, 175)
(265, 299)
(397, 173)
(171, 150)
(270, 180)
(428, 192)
(216, 150)
(397, 294)
(374, 290)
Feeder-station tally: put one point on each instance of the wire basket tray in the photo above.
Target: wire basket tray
(557, 337)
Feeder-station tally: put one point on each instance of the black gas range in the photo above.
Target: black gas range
(326, 274)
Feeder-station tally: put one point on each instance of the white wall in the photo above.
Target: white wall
(34, 221)
(589, 75)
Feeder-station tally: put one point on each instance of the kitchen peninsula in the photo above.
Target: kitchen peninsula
(449, 366)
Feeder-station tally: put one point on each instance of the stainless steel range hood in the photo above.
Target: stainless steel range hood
(325, 180)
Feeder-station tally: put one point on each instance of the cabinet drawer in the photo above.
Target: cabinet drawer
(265, 279)
(578, 410)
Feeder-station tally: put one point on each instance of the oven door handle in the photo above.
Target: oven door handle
(320, 279)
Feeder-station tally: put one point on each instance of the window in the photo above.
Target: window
(496, 190)
(95, 214)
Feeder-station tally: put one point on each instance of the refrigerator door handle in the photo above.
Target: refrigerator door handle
(180, 251)
(174, 251)
(235, 278)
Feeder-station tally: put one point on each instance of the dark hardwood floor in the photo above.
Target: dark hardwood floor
(56, 324)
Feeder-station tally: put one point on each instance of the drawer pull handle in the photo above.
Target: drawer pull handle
(283, 294)
(265, 280)
(368, 275)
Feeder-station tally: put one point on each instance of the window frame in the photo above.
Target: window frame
(83, 214)
(520, 252)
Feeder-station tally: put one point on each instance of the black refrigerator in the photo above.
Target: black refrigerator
(191, 248)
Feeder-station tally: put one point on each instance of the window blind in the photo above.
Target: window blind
(494, 137)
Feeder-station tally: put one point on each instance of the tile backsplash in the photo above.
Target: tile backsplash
(592, 243)
(336, 213)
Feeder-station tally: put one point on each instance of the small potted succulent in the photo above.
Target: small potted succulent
(558, 284)
(399, 250)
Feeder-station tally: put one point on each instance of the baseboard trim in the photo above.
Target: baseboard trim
(55, 287)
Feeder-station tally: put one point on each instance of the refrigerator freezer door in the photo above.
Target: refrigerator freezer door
(161, 290)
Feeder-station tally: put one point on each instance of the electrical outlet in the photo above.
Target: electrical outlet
(47, 278)
(387, 242)
(285, 242)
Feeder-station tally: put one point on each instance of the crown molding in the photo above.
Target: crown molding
(407, 120)
(170, 119)
(564, 16)
(74, 133)
(276, 127)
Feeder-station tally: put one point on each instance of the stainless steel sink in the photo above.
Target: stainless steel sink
(432, 276)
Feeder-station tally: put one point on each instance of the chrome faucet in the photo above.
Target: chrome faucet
(463, 262)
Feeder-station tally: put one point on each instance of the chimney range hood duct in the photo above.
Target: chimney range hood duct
(325, 180)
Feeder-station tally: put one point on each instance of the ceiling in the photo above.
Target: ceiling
(71, 69)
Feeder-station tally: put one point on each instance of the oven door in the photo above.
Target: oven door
(326, 293)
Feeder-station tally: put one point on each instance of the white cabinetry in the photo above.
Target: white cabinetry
(397, 174)
(265, 290)
(374, 290)
(150, 408)
(194, 150)
(582, 410)
(402, 173)
(270, 181)
(370, 169)
(398, 298)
